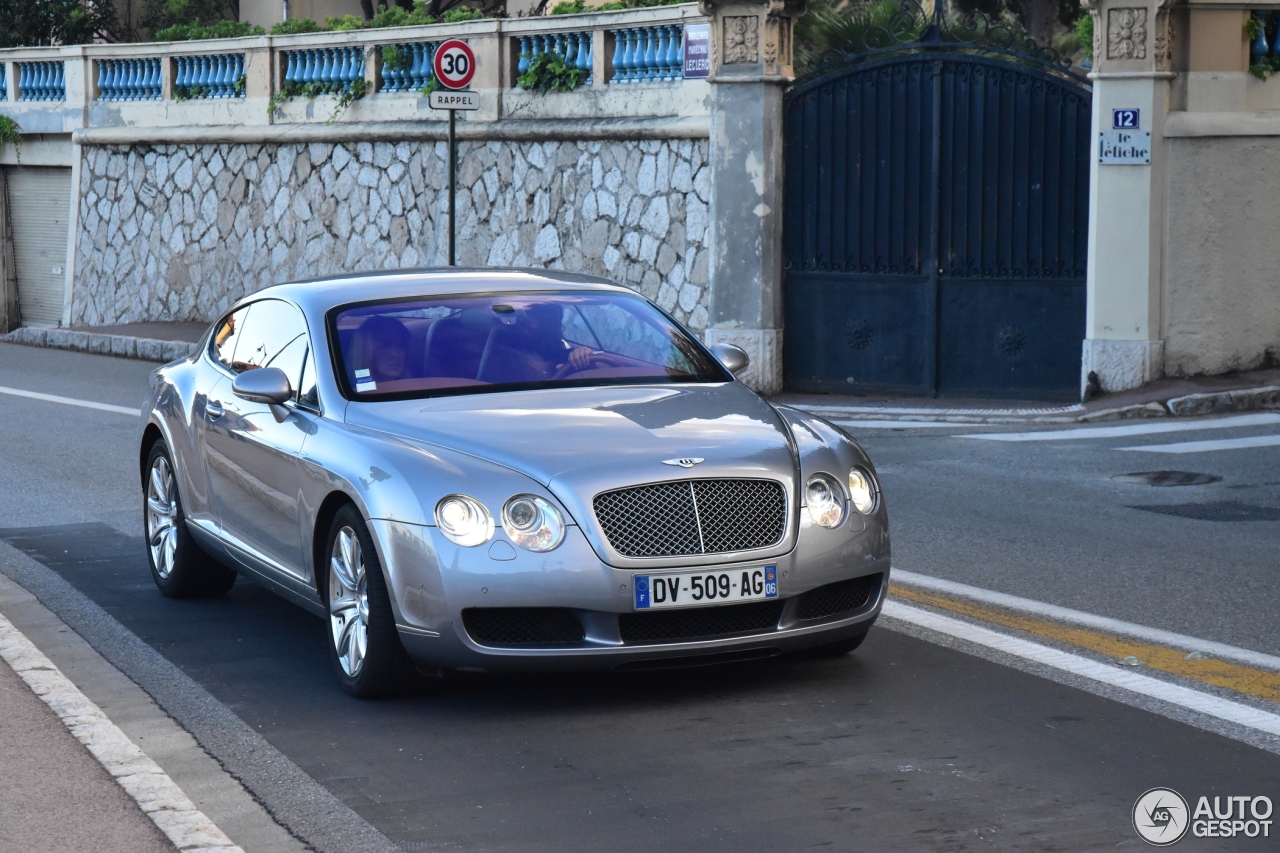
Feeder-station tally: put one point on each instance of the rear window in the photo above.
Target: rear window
(475, 344)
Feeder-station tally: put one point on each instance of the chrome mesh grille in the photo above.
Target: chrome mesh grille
(693, 517)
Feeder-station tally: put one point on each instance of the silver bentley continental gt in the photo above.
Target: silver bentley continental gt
(494, 470)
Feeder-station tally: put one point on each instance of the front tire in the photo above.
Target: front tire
(178, 566)
(364, 646)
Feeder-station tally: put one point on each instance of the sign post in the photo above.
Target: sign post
(454, 65)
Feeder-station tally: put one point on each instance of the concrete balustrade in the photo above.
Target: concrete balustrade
(230, 81)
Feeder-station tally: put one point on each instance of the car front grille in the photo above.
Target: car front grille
(688, 517)
(835, 598)
(699, 623)
(522, 626)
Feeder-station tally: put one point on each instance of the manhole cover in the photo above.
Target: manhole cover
(1166, 478)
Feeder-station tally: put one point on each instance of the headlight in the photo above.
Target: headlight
(862, 491)
(464, 520)
(533, 523)
(824, 500)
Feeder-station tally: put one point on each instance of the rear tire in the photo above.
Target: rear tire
(178, 566)
(839, 648)
(364, 646)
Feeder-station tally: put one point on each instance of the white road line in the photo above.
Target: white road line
(141, 778)
(1221, 651)
(1210, 446)
(1174, 694)
(70, 401)
(1145, 428)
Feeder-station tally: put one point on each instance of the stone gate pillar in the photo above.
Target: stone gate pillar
(750, 67)
(1131, 61)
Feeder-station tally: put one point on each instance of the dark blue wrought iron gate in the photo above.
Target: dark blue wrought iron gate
(936, 225)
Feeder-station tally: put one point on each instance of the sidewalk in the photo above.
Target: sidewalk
(1178, 397)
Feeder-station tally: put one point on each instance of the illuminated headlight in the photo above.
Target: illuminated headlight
(825, 500)
(862, 491)
(464, 520)
(533, 523)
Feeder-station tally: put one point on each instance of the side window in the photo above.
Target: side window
(227, 335)
(290, 360)
(271, 326)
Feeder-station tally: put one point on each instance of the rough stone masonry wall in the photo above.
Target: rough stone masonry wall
(179, 232)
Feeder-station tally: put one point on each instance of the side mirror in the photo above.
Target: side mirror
(734, 358)
(268, 385)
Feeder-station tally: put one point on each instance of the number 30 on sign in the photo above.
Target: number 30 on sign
(454, 64)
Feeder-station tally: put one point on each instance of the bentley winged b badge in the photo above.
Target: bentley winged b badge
(684, 463)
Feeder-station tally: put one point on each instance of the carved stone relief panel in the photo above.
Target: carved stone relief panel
(741, 39)
(1127, 33)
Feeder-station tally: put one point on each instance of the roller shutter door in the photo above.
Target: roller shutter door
(39, 204)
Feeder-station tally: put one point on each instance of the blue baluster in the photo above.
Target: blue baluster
(660, 38)
(1258, 50)
(60, 75)
(47, 82)
(526, 52)
(153, 79)
(324, 74)
(355, 55)
(240, 75)
(650, 53)
(200, 79)
(422, 72)
(307, 74)
(216, 74)
(584, 55)
(37, 74)
(635, 55)
(133, 85)
(392, 77)
(22, 81)
(616, 60)
(104, 88)
(675, 55)
(571, 50)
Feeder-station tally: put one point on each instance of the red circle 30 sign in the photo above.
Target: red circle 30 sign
(454, 64)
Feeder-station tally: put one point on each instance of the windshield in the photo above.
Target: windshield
(474, 344)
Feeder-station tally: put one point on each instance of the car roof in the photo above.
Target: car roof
(321, 294)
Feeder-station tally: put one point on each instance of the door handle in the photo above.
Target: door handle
(213, 410)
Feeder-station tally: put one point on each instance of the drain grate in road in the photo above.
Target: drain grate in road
(1166, 478)
(1222, 511)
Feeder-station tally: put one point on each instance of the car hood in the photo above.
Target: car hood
(603, 437)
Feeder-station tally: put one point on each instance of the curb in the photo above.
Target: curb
(1190, 405)
(141, 778)
(121, 346)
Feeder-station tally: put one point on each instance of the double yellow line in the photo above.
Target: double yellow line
(1242, 679)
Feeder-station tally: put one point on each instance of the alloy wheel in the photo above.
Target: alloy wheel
(348, 601)
(162, 516)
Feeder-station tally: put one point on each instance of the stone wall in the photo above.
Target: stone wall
(179, 232)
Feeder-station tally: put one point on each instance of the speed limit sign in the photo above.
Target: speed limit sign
(455, 64)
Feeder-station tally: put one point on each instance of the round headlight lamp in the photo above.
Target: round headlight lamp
(862, 491)
(824, 500)
(464, 520)
(533, 523)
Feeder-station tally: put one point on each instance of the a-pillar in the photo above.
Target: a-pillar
(750, 67)
(1126, 202)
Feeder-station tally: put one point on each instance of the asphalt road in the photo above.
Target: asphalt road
(904, 745)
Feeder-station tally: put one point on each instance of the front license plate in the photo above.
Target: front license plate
(692, 589)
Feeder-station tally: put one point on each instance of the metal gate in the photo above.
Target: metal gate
(937, 193)
(39, 206)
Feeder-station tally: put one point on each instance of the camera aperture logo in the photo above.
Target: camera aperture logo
(1160, 817)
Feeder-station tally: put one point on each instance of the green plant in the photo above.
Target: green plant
(462, 13)
(195, 31)
(1084, 34)
(548, 71)
(569, 7)
(395, 59)
(1270, 64)
(32, 23)
(432, 85)
(616, 5)
(239, 84)
(344, 24)
(10, 134)
(354, 92)
(396, 16)
(295, 26)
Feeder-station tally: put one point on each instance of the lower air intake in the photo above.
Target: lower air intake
(522, 626)
(836, 598)
(699, 623)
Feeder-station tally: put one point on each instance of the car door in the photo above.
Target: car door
(251, 457)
